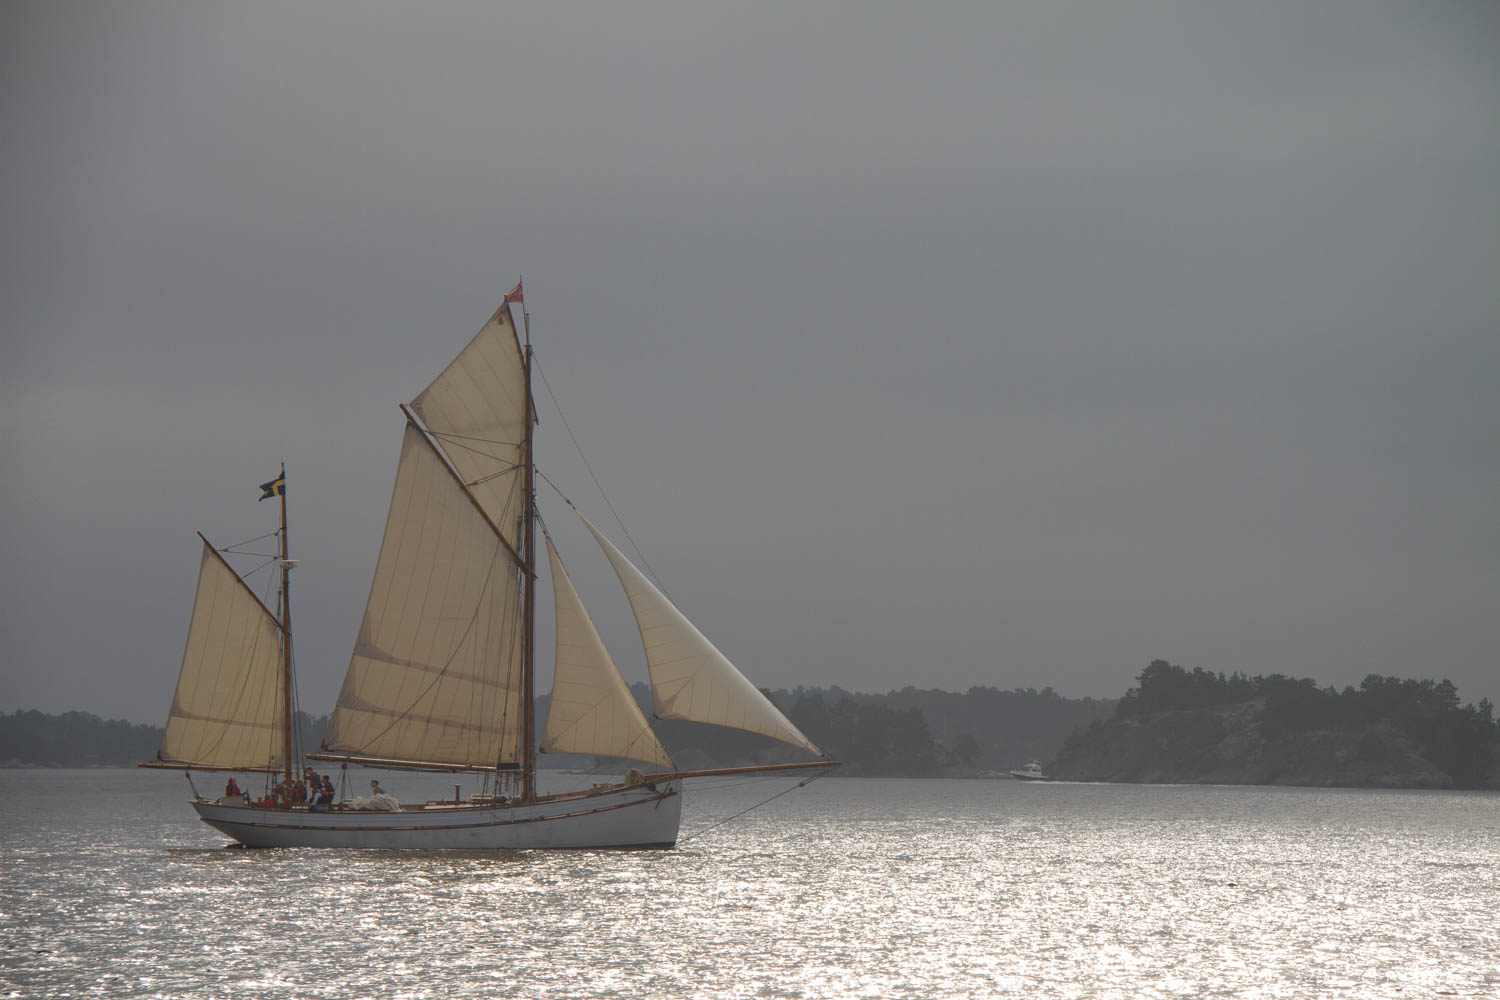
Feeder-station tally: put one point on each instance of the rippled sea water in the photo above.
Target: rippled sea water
(110, 886)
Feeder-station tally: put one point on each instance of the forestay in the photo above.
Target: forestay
(690, 678)
(227, 711)
(436, 671)
(592, 710)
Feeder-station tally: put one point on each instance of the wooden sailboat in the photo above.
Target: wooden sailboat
(442, 673)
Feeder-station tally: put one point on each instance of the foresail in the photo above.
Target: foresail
(592, 710)
(477, 411)
(690, 678)
(227, 710)
(436, 671)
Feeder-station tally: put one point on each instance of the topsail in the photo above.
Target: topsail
(476, 409)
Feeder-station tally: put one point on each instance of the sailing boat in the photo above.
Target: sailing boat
(442, 673)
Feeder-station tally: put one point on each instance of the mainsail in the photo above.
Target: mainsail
(436, 673)
(690, 678)
(227, 711)
(592, 709)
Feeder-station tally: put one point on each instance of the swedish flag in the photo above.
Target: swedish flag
(275, 488)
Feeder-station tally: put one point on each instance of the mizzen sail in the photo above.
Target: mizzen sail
(436, 671)
(690, 678)
(592, 710)
(227, 710)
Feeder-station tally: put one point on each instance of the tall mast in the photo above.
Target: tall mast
(286, 638)
(528, 627)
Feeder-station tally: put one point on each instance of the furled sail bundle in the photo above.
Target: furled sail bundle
(227, 710)
(592, 710)
(690, 678)
(435, 677)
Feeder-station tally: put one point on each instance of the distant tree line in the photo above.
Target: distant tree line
(80, 739)
(1461, 739)
(906, 733)
(74, 739)
(909, 733)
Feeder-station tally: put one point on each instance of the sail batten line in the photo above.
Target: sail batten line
(418, 666)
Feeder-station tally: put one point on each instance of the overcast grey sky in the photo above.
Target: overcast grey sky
(1003, 344)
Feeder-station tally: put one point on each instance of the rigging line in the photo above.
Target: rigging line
(470, 437)
(270, 585)
(258, 555)
(298, 744)
(477, 451)
(543, 521)
(249, 540)
(510, 627)
(595, 478)
(555, 489)
(733, 781)
(268, 561)
(493, 475)
(804, 782)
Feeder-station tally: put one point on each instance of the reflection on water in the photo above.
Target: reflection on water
(933, 889)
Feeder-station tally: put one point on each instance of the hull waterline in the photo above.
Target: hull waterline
(629, 817)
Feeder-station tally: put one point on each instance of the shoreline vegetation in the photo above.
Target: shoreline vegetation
(1197, 727)
(1175, 726)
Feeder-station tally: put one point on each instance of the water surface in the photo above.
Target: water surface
(110, 887)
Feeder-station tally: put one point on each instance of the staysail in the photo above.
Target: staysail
(436, 673)
(690, 678)
(592, 710)
(476, 409)
(227, 711)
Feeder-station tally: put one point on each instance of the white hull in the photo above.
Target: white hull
(631, 816)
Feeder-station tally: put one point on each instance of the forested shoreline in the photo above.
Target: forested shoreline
(1175, 725)
(1179, 725)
